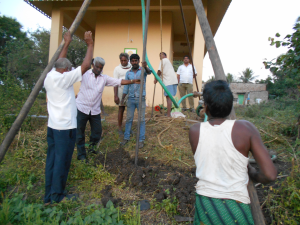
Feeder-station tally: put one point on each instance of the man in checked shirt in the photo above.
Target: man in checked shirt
(88, 104)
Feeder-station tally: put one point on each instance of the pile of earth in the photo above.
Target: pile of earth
(152, 178)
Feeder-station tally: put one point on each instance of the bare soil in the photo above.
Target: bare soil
(157, 180)
(152, 178)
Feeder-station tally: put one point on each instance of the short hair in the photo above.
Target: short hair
(134, 56)
(164, 53)
(124, 55)
(63, 63)
(186, 56)
(98, 60)
(218, 98)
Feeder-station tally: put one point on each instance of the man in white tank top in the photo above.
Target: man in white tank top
(221, 147)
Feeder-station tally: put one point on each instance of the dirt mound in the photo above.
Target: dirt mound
(151, 177)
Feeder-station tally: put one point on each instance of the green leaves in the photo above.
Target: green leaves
(247, 76)
(17, 211)
(286, 68)
(278, 44)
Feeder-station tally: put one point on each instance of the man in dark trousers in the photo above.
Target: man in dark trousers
(62, 124)
(88, 104)
(221, 147)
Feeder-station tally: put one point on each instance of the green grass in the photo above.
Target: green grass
(22, 171)
(276, 121)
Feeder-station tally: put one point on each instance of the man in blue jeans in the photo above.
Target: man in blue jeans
(133, 92)
(62, 124)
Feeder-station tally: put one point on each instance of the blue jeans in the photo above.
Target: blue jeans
(132, 104)
(61, 145)
(96, 131)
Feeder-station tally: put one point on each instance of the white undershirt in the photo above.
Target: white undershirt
(221, 169)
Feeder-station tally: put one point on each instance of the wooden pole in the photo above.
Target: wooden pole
(153, 100)
(188, 42)
(39, 84)
(142, 84)
(220, 75)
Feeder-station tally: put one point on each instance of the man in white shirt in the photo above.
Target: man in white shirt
(62, 124)
(88, 104)
(185, 78)
(168, 75)
(119, 73)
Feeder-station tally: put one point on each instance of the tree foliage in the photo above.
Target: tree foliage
(26, 59)
(247, 76)
(230, 78)
(211, 78)
(77, 51)
(286, 67)
(23, 57)
(176, 64)
(10, 29)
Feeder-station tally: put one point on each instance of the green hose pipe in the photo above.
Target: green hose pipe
(184, 97)
(150, 66)
(153, 71)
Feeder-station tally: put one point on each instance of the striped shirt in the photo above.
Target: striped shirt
(90, 92)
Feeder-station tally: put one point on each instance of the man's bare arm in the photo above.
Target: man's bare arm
(134, 81)
(147, 69)
(123, 97)
(267, 172)
(178, 78)
(86, 64)
(158, 73)
(68, 39)
(117, 100)
(194, 136)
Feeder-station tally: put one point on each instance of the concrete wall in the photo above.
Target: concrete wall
(246, 87)
(263, 95)
(118, 30)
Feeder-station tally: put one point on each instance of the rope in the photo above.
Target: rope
(166, 122)
(153, 100)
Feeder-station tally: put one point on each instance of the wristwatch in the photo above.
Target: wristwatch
(131, 81)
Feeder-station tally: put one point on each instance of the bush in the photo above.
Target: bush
(17, 211)
(284, 202)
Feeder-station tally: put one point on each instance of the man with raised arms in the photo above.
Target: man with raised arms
(62, 124)
(88, 104)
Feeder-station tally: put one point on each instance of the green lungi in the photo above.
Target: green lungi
(214, 211)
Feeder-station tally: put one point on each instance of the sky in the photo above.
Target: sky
(241, 40)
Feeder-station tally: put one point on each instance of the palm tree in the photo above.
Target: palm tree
(247, 75)
(230, 78)
(211, 78)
